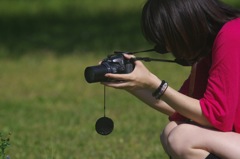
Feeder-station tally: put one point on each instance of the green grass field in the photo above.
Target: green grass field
(44, 100)
(51, 111)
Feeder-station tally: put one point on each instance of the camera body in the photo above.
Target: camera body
(116, 64)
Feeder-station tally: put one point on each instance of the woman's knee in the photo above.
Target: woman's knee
(179, 140)
(183, 140)
(166, 131)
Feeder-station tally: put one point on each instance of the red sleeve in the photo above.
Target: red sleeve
(221, 98)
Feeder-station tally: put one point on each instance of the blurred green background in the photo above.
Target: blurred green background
(45, 103)
(67, 27)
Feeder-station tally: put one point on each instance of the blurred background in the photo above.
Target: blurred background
(67, 27)
(45, 102)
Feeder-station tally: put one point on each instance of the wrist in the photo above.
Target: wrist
(157, 94)
(154, 83)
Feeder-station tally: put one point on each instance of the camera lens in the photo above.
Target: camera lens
(95, 73)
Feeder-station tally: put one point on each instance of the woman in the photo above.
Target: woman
(205, 113)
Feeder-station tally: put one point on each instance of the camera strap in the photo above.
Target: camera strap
(181, 62)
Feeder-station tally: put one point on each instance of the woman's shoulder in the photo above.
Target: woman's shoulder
(230, 32)
(227, 42)
(231, 28)
(233, 22)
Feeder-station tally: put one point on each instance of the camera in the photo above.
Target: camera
(115, 63)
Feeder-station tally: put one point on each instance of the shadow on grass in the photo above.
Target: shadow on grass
(65, 33)
(71, 31)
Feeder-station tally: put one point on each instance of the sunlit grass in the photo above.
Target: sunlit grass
(45, 101)
(51, 111)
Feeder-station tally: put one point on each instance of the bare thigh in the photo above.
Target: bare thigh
(226, 145)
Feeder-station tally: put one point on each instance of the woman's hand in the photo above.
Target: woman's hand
(139, 78)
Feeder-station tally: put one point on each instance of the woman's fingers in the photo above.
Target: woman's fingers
(117, 84)
(129, 56)
(140, 77)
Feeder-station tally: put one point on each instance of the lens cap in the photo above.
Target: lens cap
(104, 126)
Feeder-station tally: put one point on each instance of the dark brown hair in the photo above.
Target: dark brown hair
(186, 27)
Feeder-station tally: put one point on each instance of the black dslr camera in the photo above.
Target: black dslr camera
(118, 64)
(115, 63)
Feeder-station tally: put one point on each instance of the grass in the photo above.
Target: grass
(45, 102)
(66, 27)
(51, 111)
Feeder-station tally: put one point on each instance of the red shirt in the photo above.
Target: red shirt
(217, 84)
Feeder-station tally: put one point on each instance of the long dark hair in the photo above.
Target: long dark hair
(186, 27)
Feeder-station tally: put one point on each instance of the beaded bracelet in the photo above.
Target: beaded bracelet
(160, 90)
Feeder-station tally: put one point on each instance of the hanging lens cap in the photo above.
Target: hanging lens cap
(104, 126)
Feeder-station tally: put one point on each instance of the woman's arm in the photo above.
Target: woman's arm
(141, 83)
(160, 105)
(186, 106)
